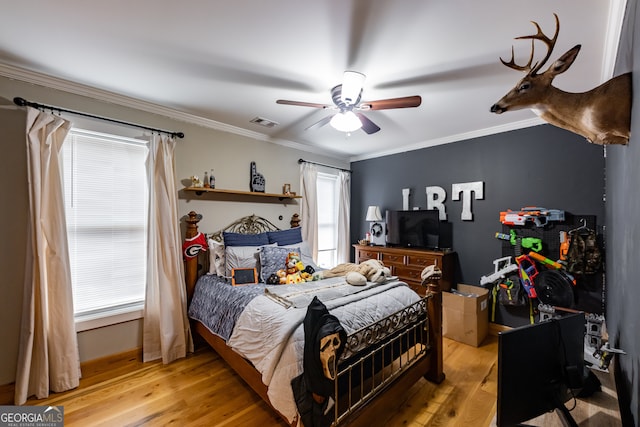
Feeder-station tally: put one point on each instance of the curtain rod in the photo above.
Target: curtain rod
(23, 102)
(322, 164)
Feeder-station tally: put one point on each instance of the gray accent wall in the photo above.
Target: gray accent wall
(623, 235)
(538, 166)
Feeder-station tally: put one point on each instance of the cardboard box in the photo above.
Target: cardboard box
(466, 318)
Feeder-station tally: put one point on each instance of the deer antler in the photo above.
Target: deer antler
(512, 64)
(550, 42)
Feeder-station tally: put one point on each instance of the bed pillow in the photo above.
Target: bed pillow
(306, 256)
(243, 257)
(239, 239)
(216, 258)
(285, 237)
(272, 259)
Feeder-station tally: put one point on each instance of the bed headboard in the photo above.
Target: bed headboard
(252, 224)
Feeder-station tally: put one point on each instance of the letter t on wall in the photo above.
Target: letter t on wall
(435, 200)
(466, 188)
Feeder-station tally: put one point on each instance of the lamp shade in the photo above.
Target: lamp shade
(346, 122)
(373, 213)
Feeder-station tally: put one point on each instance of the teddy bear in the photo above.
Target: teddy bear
(293, 272)
(370, 270)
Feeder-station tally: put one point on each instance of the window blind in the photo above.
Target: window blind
(327, 190)
(106, 205)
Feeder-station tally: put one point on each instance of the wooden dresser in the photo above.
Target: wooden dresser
(408, 263)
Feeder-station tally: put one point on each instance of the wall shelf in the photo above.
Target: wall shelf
(202, 190)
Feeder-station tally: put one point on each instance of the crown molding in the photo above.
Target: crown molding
(454, 138)
(617, 10)
(40, 79)
(68, 86)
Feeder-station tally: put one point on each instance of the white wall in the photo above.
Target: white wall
(202, 148)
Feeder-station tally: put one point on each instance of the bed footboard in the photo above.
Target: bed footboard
(381, 352)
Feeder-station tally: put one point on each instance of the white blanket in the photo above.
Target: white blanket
(271, 336)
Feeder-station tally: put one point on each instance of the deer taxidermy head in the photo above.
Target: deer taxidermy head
(602, 115)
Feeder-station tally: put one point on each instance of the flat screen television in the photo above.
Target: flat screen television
(419, 229)
(540, 366)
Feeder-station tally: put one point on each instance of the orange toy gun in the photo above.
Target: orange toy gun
(564, 245)
(545, 260)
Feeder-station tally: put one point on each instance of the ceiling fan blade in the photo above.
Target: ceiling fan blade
(320, 123)
(387, 104)
(302, 104)
(367, 125)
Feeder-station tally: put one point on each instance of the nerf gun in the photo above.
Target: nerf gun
(501, 267)
(539, 216)
(564, 245)
(545, 260)
(532, 243)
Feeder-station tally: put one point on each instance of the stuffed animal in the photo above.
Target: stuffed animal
(293, 272)
(370, 270)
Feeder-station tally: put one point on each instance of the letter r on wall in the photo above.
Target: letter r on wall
(435, 200)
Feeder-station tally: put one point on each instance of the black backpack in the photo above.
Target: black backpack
(510, 291)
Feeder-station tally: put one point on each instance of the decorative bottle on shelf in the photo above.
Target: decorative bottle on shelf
(206, 180)
(212, 180)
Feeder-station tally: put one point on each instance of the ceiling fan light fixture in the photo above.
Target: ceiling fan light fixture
(346, 122)
(352, 83)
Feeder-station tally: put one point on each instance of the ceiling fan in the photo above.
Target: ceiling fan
(346, 97)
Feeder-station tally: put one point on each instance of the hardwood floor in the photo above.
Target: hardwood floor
(201, 390)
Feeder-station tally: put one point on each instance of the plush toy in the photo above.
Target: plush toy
(293, 272)
(370, 270)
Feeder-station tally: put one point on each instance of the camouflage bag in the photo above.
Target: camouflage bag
(584, 256)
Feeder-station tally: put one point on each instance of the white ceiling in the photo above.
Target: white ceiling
(222, 63)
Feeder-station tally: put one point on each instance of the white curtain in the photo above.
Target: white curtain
(309, 205)
(344, 209)
(48, 357)
(166, 327)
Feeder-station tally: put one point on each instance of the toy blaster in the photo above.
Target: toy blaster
(539, 216)
(545, 260)
(532, 243)
(501, 268)
(564, 245)
(527, 271)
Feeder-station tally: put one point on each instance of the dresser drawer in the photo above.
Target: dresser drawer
(392, 259)
(408, 273)
(424, 260)
(365, 254)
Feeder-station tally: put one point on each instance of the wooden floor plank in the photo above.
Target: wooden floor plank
(201, 390)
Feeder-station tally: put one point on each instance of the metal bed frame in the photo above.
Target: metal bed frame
(380, 362)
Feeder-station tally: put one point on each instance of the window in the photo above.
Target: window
(328, 191)
(106, 204)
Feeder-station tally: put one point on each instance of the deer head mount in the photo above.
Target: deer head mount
(602, 115)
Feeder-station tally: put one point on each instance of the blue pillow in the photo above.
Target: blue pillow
(272, 259)
(289, 236)
(238, 239)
